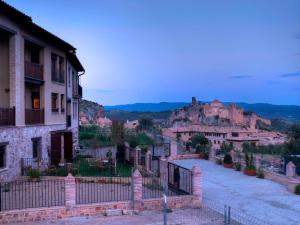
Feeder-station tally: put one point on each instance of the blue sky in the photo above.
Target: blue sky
(171, 50)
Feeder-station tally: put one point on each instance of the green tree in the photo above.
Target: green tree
(117, 133)
(226, 147)
(200, 143)
(145, 123)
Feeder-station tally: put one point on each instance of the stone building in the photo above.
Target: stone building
(39, 93)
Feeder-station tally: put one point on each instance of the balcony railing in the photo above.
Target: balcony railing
(7, 116)
(34, 71)
(34, 116)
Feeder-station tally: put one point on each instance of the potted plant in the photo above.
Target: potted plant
(250, 169)
(34, 174)
(219, 161)
(237, 166)
(227, 162)
(297, 189)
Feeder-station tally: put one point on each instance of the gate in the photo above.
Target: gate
(179, 179)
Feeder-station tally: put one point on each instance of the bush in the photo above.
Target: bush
(297, 189)
(34, 173)
(228, 159)
(260, 174)
(249, 161)
(237, 166)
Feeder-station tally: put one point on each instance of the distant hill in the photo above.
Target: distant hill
(288, 112)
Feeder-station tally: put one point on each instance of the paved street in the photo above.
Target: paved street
(263, 199)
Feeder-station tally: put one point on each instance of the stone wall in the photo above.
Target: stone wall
(20, 146)
(182, 157)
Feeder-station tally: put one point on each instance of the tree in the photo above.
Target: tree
(226, 147)
(292, 147)
(117, 133)
(145, 123)
(200, 143)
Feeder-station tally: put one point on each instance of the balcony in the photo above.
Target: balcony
(7, 116)
(34, 116)
(77, 91)
(34, 72)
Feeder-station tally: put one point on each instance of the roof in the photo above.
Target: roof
(205, 128)
(26, 22)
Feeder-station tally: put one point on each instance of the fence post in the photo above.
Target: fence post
(137, 182)
(290, 170)
(136, 156)
(257, 161)
(197, 185)
(173, 148)
(70, 191)
(148, 160)
(163, 165)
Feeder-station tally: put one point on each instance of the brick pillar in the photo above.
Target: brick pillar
(291, 170)
(62, 150)
(197, 185)
(212, 154)
(232, 154)
(137, 189)
(173, 148)
(70, 191)
(148, 157)
(127, 152)
(136, 156)
(257, 161)
(163, 168)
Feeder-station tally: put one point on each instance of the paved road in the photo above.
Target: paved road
(261, 198)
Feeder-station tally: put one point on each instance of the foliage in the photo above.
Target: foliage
(260, 174)
(249, 161)
(200, 143)
(117, 133)
(237, 166)
(145, 123)
(226, 147)
(227, 159)
(93, 136)
(297, 189)
(140, 138)
(34, 173)
(178, 136)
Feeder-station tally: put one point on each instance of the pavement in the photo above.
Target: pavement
(261, 198)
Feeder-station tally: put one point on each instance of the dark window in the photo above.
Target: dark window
(57, 68)
(54, 102)
(54, 73)
(36, 146)
(62, 103)
(61, 70)
(235, 134)
(2, 156)
(35, 55)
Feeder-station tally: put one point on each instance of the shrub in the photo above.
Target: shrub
(237, 166)
(219, 161)
(297, 189)
(228, 159)
(249, 161)
(260, 174)
(34, 173)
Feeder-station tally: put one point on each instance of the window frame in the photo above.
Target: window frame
(4, 146)
(56, 109)
(36, 140)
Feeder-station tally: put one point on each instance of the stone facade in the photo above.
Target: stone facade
(19, 145)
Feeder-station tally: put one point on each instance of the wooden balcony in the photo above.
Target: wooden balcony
(34, 116)
(77, 91)
(33, 71)
(7, 116)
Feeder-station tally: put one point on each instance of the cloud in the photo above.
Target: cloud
(240, 77)
(287, 75)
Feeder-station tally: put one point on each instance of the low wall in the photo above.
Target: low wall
(278, 178)
(53, 213)
(182, 157)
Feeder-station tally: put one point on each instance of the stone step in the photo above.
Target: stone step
(113, 212)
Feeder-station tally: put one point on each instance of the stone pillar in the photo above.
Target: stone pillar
(163, 168)
(148, 157)
(174, 148)
(212, 154)
(290, 170)
(137, 183)
(197, 185)
(232, 154)
(62, 148)
(127, 152)
(70, 191)
(257, 161)
(137, 150)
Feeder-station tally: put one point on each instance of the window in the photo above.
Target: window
(69, 76)
(35, 100)
(36, 147)
(2, 156)
(235, 134)
(57, 68)
(74, 109)
(54, 102)
(62, 103)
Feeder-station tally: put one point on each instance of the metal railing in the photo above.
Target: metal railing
(179, 179)
(7, 116)
(32, 194)
(104, 189)
(33, 70)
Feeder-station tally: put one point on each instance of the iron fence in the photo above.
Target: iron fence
(179, 179)
(104, 189)
(32, 194)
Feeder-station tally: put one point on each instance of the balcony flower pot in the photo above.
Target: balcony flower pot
(250, 172)
(228, 165)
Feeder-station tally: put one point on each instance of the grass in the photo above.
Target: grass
(81, 167)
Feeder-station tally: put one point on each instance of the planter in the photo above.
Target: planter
(250, 172)
(228, 165)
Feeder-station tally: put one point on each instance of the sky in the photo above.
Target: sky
(171, 50)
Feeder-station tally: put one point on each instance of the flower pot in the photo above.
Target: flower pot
(228, 165)
(250, 172)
